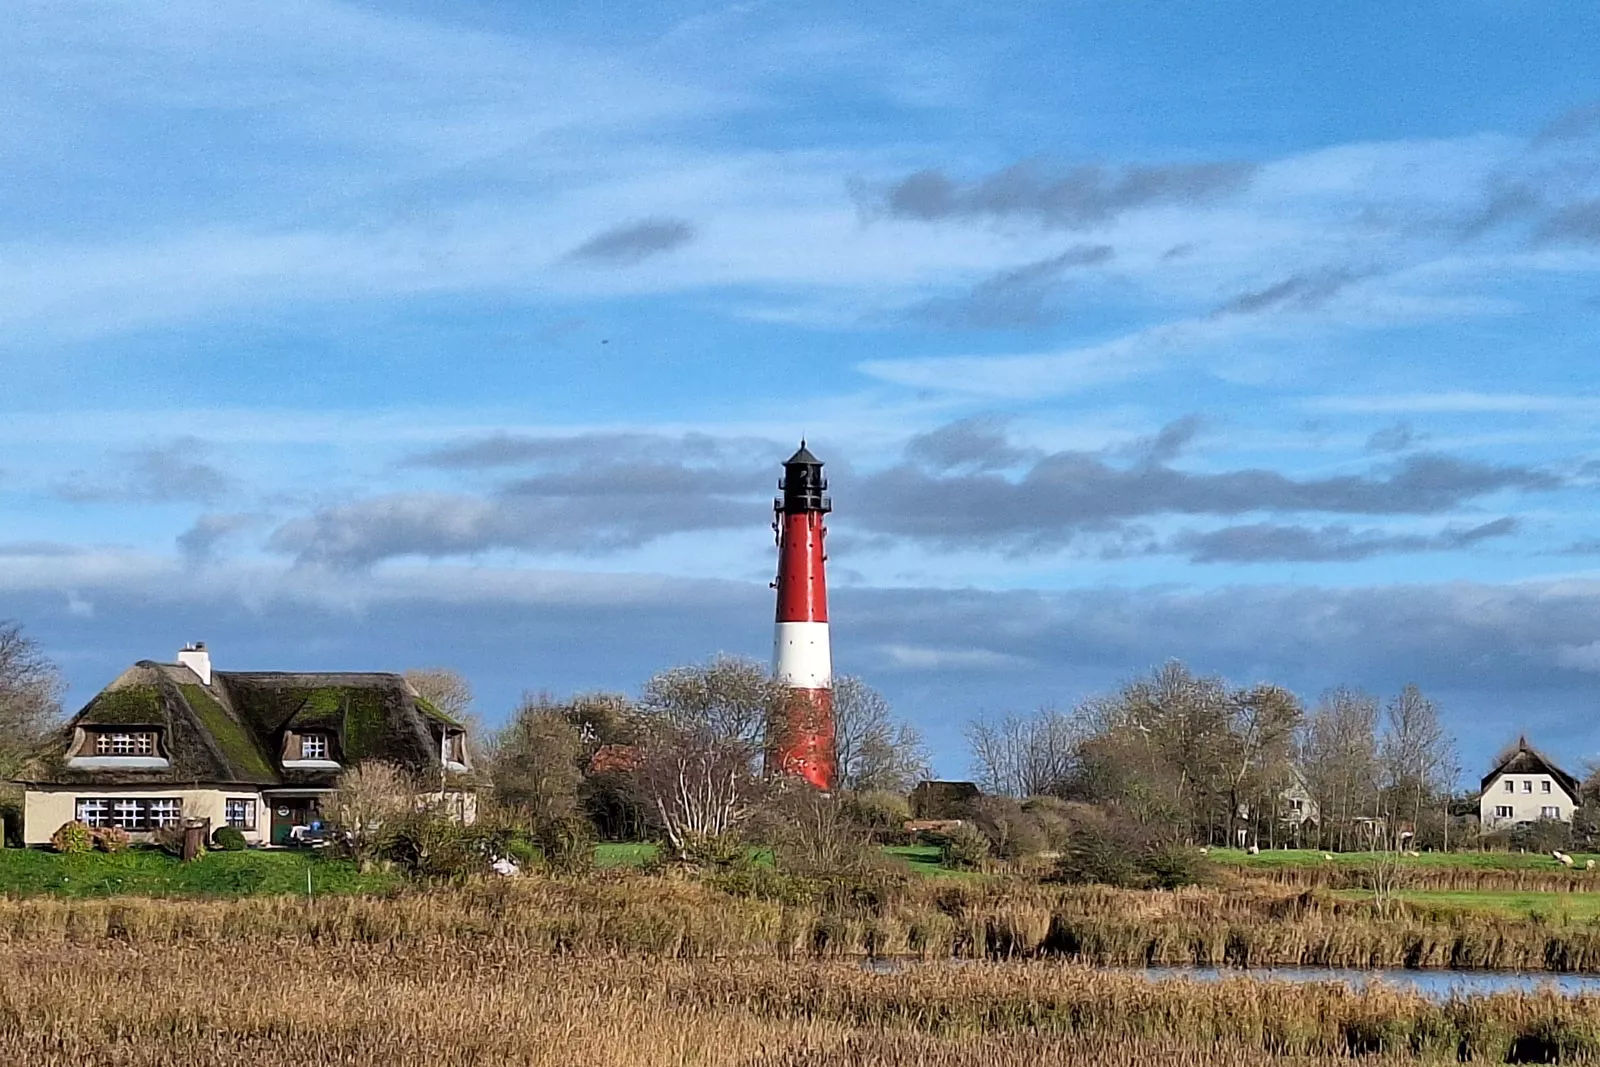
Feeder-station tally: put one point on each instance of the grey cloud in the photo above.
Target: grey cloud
(1061, 495)
(629, 244)
(1503, 203)
(1301, 292)
(1074, 199)
(38, 548)
(1172, 439)
(1393, 438)
(1575, 222)
(589, 494)
(976, 444)
(200, 541)
(1013, 298)
(1578, 123)
(515, 450)
(1266, 542)
(162, 474)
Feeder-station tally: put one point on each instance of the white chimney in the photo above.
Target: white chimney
(197, 659)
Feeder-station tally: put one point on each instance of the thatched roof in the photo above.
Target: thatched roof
(232, 731)
(1523, 758)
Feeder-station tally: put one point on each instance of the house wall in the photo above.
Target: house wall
(46, 809)
(1529, 796)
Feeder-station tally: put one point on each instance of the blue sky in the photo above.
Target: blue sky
(382, 335)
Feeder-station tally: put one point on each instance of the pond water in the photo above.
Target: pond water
(1436, 985)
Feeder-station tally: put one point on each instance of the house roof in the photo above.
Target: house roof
(1523, 758)
(231, 731)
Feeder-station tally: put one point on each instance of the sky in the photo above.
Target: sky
(382, 335)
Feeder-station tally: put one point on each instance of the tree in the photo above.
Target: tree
(702, 729)
(30, 696)
(1261, 731)
(1339, 761)
(1416, 759)
(730, 698)
(537, 764)
(370, 795)
(450, 692)
(1024, 755)
(873, 750)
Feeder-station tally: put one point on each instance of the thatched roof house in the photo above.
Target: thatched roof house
(256, 750)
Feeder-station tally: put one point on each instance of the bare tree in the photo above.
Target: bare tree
(873, 750)
(449, 691)
(30, 696)
(700, 786)
(1024, 755)
(1416, 757)
(1262, 732)
(1338, 759)
(369, 795)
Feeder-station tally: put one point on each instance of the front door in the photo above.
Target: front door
(289, 812)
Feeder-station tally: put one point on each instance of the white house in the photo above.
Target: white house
(1524, 787)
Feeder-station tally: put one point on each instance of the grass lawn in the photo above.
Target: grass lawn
(1310, 857)
(625, 853)
(146, 872)
(1577, 907)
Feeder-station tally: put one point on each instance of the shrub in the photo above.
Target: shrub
(1054, 818)
(433, 846)
(1108, 849)
(1011, 832)
(879, 813)
(567, 843)
(228, 839)
(112, 839)
(72, 838)
(964, 848)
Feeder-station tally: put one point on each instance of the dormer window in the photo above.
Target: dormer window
(140, 743)
(116, 748)
(310, 750)
(453, 750)
(314, 746)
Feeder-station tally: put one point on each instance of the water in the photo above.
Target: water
(1435, 985)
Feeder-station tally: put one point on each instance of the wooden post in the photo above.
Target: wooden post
(194, 838)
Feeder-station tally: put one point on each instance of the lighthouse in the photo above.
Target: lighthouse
(801, 741)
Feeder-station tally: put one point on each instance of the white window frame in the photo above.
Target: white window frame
(314, 746)
(1504, 811)
(125, 743)
(1511, 786)
(1544, 786)
(1550, 811)
(1527, 785)
(94, 811)
(239, 812)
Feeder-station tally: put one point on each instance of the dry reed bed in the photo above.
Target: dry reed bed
(657, 917)
(442, 1006)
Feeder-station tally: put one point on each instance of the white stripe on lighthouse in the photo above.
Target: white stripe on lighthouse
(800, 655)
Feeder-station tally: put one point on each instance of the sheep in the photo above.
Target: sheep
(1588, 865)
(1205, 850)
(1328, 856)
(1254, 850)
(1562, 858)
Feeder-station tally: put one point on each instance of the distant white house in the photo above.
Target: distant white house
(1298, 806)
(1524, 787)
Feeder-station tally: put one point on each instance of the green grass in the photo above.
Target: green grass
(1269, 859)
(146, 872)
(1575, 907)
(625, 853)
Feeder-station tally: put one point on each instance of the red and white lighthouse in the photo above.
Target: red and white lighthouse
(802, 741)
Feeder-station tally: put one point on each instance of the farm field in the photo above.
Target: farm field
(1269, 859)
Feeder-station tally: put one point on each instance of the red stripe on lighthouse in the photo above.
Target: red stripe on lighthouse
(802, 579)
(802, 742)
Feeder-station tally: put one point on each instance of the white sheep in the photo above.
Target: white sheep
(1588, 865)
(1562, 858)
(1254, 850)
(1328, 856)
(1205, 850)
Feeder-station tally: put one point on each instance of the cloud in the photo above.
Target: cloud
(161, 474)
(1576, 124)
(1075, 199)
(634, 242)
(199, 542)
(501, 449)
(1396, 437)
(38, 549)
(1021, 296)
(1266, 542)
(1452, 403)
(1063, 494)
(975, 444)
(1298, 292)
(1170, 441)
(1575, 222)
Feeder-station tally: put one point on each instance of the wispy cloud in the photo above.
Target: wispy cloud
(634, 242)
